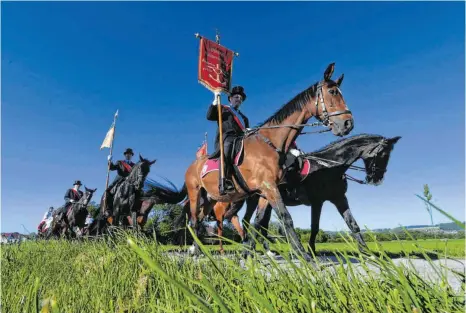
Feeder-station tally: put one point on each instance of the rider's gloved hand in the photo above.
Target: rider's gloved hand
(72, 201)
(109, 158)
(216, 96)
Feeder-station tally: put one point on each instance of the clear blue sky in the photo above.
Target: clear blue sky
(67, 67)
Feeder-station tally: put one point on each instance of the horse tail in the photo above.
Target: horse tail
(164, 194)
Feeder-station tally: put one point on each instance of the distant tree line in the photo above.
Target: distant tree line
(161, 226)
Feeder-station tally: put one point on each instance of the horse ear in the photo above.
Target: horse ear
(329, 71)
(153, 162)
(85, 188)
(94, 190)
(141, 158)
(394, 140)
(340, 80)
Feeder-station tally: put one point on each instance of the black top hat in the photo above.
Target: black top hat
(129, 150)
(237, 90)
(77, 182)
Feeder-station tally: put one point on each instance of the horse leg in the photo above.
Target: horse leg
(273, 196)
(316, 210)
(265, 228)
(251, 205)
(250, 242)
(219, 210)
(194, 197)
(236, 224)
(341, 203)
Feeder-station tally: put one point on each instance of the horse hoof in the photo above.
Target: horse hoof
(193, 250)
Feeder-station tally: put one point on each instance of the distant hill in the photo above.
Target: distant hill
(450, 226)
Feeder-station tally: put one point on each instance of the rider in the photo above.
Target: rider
(123, 168)
(45, 220)
(72, 195)
(294, 175)
(234, 123)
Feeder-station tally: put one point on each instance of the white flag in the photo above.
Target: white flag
(108, 138)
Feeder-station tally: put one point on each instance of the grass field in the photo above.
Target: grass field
(134, 275)
(450, 247)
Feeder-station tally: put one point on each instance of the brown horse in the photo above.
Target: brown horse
(260, 156)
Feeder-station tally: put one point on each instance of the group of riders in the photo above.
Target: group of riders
(234, 124)
(74, 194)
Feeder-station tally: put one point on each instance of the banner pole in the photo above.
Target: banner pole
(221, 186)
(108, 164)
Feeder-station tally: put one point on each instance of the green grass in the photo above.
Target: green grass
(133, 275)
(450, 247)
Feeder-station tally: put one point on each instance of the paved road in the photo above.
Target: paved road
(422, 267)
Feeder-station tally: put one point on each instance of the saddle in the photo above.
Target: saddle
(237, 153)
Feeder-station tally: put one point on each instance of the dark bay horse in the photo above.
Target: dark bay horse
(75, 216)
(154, 193)
(327, 181)
(261, 153)
(126, 198)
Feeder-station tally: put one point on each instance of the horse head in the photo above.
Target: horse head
(141, 170)
(377, 161)
(87, 196)
(330, 107)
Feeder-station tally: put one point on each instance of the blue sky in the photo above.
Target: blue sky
(67, 67)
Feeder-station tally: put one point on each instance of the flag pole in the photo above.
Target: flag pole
(108, 163)
(220, 132)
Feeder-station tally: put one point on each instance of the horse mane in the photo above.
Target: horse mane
(295, 104)
(134, 169)
(337, 144)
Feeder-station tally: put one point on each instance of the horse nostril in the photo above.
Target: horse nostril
(348, 124)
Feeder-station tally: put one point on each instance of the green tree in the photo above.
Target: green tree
(322, 236)
(93, 209)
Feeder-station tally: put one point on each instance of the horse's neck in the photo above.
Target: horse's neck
(133, 176)
(340, 155)
(283, 136)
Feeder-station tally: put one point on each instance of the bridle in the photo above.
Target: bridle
(373, 168)
(139, 181)
(324, 117)
(375, 152)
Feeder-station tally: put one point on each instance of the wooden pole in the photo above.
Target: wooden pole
(108, 164)
(220, 141)
(221, 186)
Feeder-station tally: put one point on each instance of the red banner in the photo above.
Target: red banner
(215, 66)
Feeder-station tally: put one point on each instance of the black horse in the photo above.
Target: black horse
(154, 193)
(126, 196)
(327, 181)
(75, 216)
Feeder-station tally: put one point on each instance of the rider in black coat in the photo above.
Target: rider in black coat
(123, 168)
(72, 195)
(234, 123)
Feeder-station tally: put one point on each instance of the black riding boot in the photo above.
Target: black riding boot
(108, 204)
(227, 152)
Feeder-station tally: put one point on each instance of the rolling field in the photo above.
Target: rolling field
(130, 274)
(452, 247)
